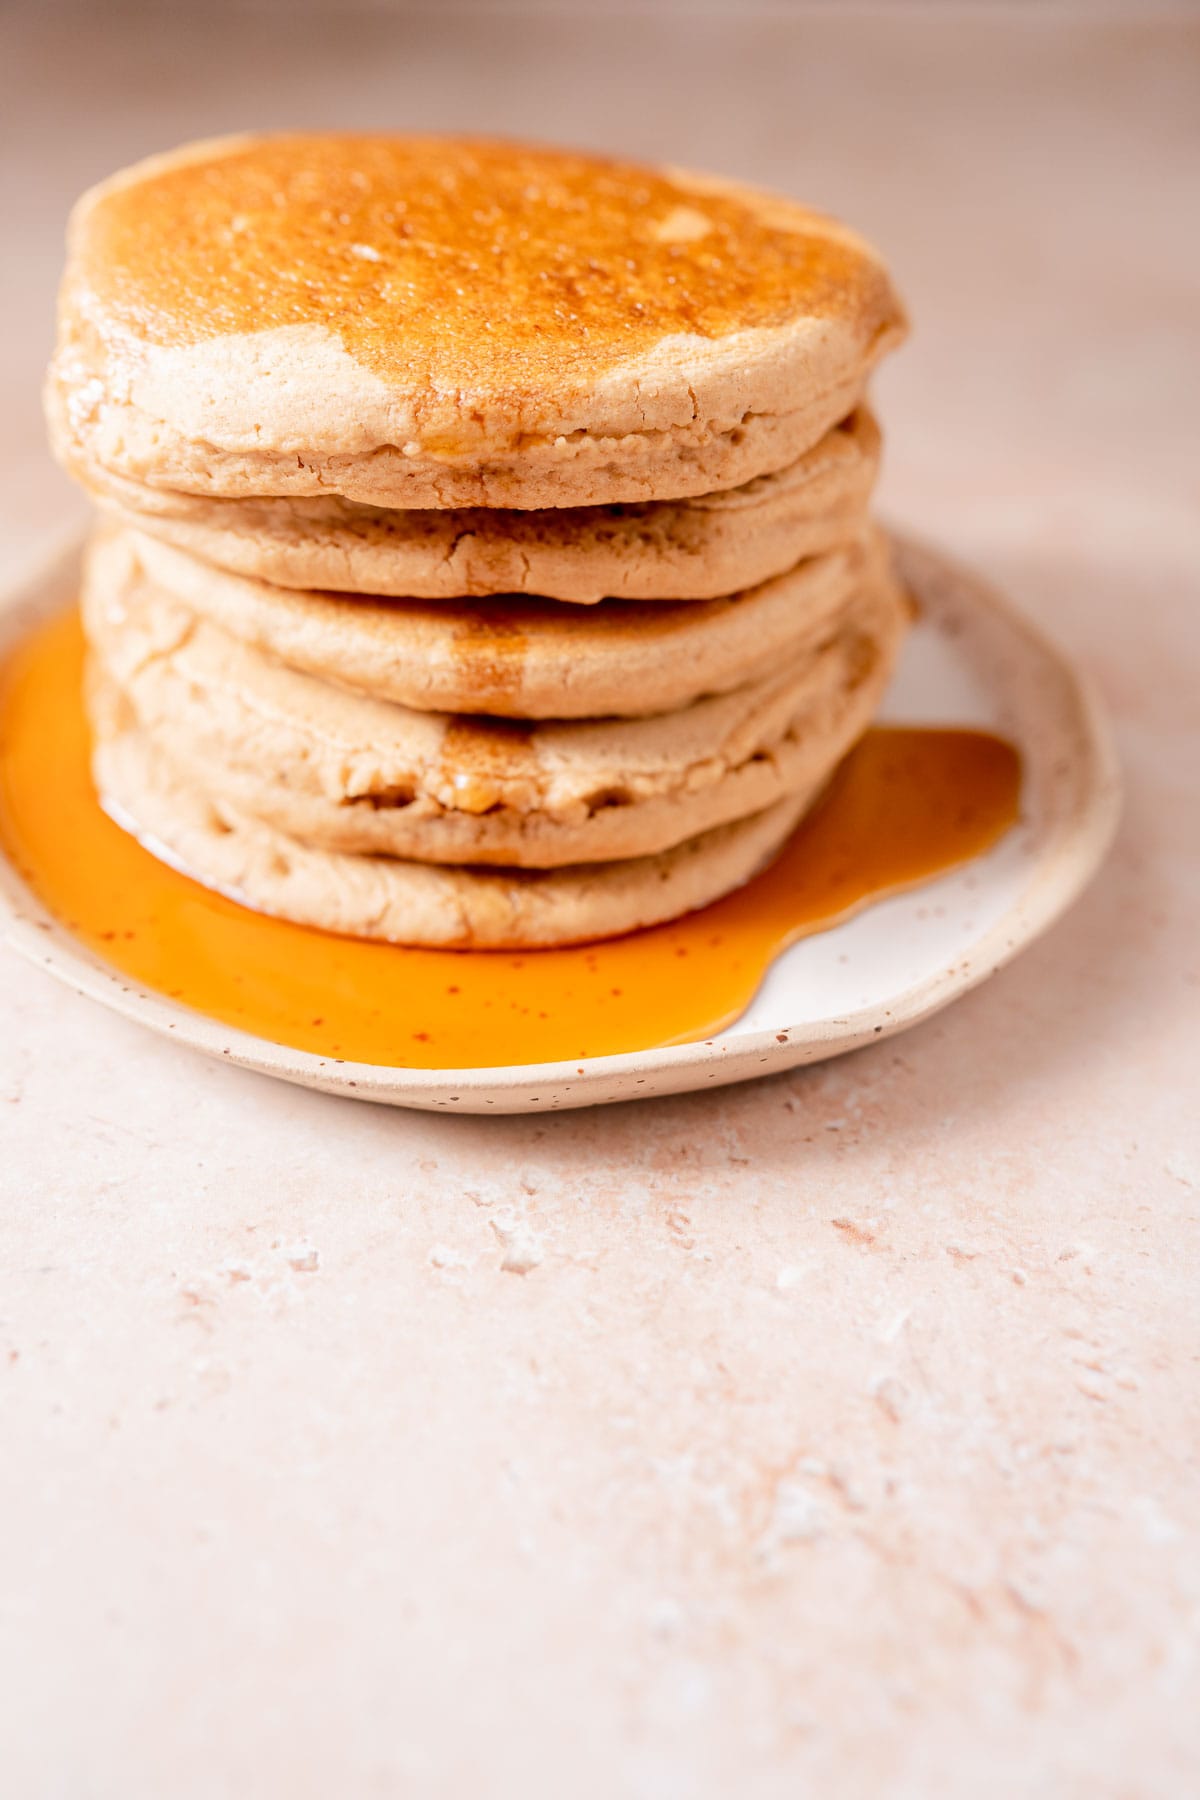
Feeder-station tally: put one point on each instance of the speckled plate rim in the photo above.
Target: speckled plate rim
(1047, 707)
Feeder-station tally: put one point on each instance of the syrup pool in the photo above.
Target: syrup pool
(908, 804)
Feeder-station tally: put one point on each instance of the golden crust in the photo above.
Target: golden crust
(440, 322)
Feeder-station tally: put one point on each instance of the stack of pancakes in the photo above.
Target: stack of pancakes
(485, 556)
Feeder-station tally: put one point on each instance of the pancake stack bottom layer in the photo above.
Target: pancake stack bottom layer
(534, 668)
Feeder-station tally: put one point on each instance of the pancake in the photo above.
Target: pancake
(448, 322)
(697, 549)
(509, 657)
(346, 772)
(412, 902)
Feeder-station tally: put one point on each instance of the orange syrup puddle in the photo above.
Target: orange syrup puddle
(907, 804)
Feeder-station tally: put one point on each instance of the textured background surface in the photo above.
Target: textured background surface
(840, 1435)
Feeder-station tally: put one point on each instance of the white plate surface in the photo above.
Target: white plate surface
(972, 660)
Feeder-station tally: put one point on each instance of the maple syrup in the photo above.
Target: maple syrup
(906, 805)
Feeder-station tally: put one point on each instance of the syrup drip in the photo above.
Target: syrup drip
(907, 804)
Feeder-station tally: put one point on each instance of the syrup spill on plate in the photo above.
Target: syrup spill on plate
(907, 804)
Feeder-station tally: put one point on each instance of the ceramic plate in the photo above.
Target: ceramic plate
(971, 660)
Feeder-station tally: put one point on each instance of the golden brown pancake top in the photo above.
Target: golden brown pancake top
(460, 265)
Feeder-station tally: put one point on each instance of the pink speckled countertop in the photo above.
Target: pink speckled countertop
(840, 1436)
